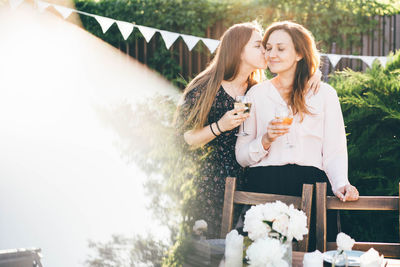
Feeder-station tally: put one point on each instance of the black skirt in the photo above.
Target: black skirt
(289, 180)
(284, 180)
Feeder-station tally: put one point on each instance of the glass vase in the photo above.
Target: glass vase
(287, 257)
(340, 259)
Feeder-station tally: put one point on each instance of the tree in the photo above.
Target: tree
(127, 252)
(148, 137)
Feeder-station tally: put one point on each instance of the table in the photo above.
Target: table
(298, 260)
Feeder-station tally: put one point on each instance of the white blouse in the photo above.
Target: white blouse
(319, 140)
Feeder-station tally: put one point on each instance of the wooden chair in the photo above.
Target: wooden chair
(325, 203)
(250, 198)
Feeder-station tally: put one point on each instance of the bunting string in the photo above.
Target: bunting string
(169, 38)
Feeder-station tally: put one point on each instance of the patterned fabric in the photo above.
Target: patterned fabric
(219, 162)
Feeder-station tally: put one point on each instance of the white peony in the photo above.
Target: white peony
(199, 227)
(371, 258)
(253, 223)
(297, 227)
(286, 221)
(344, 242)
(266, 252)
(281, 223)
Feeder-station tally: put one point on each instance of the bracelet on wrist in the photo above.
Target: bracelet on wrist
(212, 130)
(219, 129)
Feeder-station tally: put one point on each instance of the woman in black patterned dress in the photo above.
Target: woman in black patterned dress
(207, 119)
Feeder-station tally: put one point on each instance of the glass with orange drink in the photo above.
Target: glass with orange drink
(285, 114)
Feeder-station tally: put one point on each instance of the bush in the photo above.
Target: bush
(371, 109)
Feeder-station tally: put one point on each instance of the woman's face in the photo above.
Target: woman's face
(253, 54)
(280, 52)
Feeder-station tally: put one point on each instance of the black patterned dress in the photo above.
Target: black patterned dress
(219, 163)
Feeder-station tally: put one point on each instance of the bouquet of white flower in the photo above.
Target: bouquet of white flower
(271, 228)
(276, 220)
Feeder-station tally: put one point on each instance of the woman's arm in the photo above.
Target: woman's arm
(231, 119)
(334, 150)
(202, 136)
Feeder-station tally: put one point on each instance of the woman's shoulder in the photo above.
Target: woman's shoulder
(327, 90)
(260, 88)
(194, 92)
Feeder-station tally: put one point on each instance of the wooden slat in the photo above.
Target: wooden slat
(321, 216)
(306, 203)
(249, 198)
(364, 203)
(227, 211)
(144, 51)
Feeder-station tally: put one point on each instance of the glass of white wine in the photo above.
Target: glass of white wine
(285, 114)
(242, 102)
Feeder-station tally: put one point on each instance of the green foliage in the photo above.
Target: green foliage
(147, 137)
(371, 109)
(127, 252)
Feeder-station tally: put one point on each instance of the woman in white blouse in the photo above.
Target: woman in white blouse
(313, 148)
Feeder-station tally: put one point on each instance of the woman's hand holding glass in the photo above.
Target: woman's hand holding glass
(278, 126)
(233, 118)
(275, 129)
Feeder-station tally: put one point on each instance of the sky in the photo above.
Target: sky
(62, 180)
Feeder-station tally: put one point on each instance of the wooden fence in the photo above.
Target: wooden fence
(380, 42)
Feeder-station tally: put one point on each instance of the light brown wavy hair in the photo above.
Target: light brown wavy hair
(304, 45)
(224, 66)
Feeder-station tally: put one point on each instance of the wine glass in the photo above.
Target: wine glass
(242, 102)
(285, 114)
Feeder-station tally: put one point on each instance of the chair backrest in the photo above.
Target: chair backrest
(324, 203)
(250, 198)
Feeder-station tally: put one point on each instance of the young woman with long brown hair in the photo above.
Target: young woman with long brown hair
(207, 117)
(307, 146)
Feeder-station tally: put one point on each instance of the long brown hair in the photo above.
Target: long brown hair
(224, 66)
(304, 45)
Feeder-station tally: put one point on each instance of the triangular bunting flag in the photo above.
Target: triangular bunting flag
(64, 11)
(368, 60)
(190, 40)
(104, 22)
(125, 28)
(383, 61)
(15, 3)
(147, 32)
(211, 44)
(42, 5)
(169, 37)
(334, 59)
